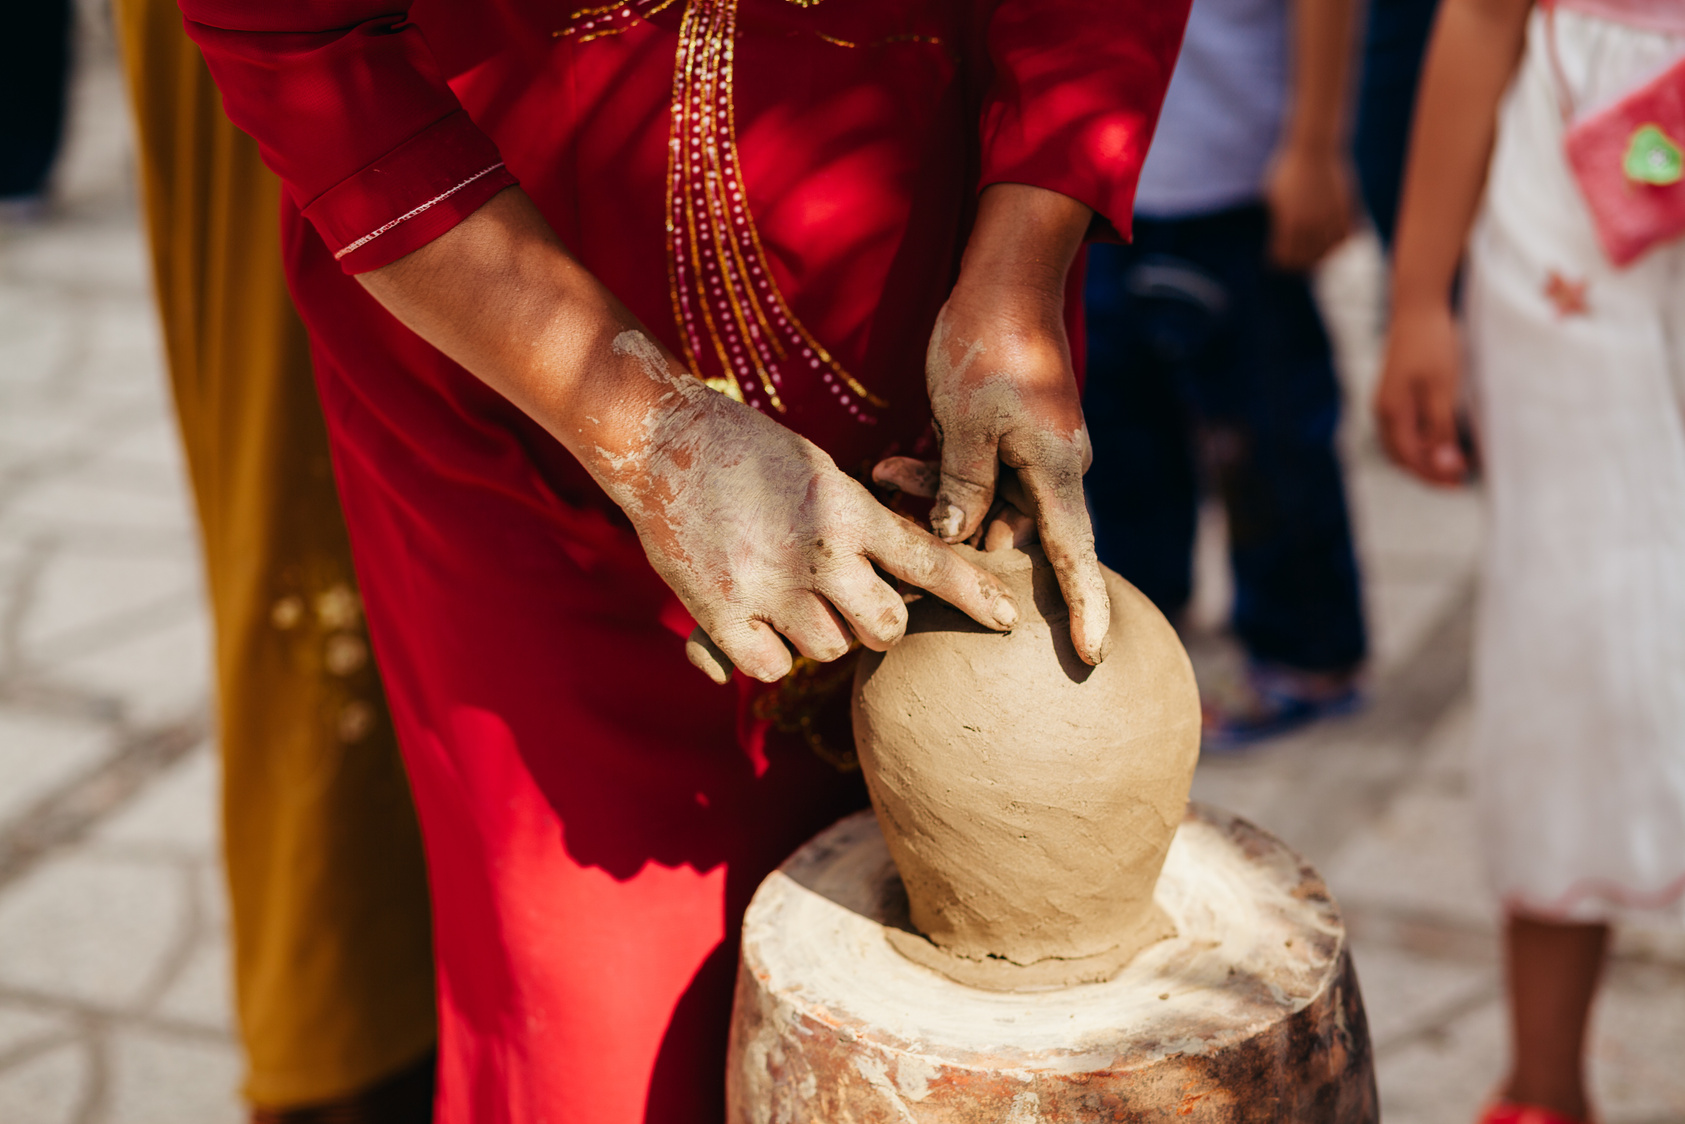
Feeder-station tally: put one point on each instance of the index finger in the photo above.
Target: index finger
(920, 558)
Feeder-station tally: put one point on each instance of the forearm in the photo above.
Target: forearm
(1475, 48)
(502, 296)
(1323, 45)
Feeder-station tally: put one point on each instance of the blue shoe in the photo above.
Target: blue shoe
(1275, 702)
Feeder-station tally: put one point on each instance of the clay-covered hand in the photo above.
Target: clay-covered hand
(1003, 394)
(760, 534)
(1416, 402)
(1011, 522)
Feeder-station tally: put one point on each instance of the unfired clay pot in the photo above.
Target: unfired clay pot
(1028, 799)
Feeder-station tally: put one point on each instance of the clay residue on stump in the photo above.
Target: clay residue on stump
(1251, 1013)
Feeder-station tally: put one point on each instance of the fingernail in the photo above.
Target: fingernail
(1006, 611)
(945, 519)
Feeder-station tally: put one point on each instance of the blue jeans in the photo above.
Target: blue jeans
(1394, 39)
(1207, 367)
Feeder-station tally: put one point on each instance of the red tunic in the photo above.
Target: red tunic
(780, 190)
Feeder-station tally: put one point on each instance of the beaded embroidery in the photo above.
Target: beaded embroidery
(721, 283)
(737, 332)
(610, 19)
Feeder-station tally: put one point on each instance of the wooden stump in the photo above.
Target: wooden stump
(1250, 1013)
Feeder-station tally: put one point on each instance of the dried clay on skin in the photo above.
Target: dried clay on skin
(989, 418)
(749, 471)
(708, 483)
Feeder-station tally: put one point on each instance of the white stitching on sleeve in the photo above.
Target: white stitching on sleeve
(376, 233)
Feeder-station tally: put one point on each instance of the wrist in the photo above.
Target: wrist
(632, 387)
(1015, 296)
(1322, 142)
(1419, 300)
(1023, 241)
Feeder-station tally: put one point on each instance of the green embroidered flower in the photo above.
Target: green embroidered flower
(1653, 157)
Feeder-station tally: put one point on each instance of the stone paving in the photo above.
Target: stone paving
(114, 1003)
(114, 989)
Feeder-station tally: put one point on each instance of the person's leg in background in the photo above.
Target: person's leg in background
(34, 78)
(1395, 38)
(1143, 324)
(1204, 361)
(1552, 970)
(1298, 599)
(332, 940)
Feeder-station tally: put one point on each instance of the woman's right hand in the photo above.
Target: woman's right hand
(763, 537)
(1416, 402)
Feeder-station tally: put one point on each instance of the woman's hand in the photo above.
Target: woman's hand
(1011, 522)
(1416, 402)
(760, 534)
(1003, 392)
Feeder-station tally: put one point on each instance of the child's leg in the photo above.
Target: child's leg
(1552, 973)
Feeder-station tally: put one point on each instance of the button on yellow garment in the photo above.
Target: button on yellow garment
(332, 954)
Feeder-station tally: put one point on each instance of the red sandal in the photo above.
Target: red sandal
(1508, 1112)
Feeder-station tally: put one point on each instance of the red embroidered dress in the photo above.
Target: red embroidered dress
(780, 190)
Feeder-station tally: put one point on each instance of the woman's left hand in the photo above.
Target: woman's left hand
(1004, 395)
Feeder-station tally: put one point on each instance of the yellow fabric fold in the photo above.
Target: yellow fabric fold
(332, 954)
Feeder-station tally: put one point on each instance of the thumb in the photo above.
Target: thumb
(909, 475)
(970, 466)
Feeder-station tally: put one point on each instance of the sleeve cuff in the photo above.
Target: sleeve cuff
(410, 196)
(1095, 159)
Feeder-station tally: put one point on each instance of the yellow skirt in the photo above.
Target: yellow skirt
(332, 949)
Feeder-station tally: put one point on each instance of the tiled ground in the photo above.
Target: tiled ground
(113, 981)
(113, 959)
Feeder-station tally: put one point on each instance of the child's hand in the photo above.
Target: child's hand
(1416, 403)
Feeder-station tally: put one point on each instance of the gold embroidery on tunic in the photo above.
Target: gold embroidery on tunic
(610, 19)
(737, 333)
(728, 307)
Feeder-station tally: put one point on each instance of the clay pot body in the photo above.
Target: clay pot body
(1028, 799)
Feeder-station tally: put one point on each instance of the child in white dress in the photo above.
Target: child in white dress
(1576, 370)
